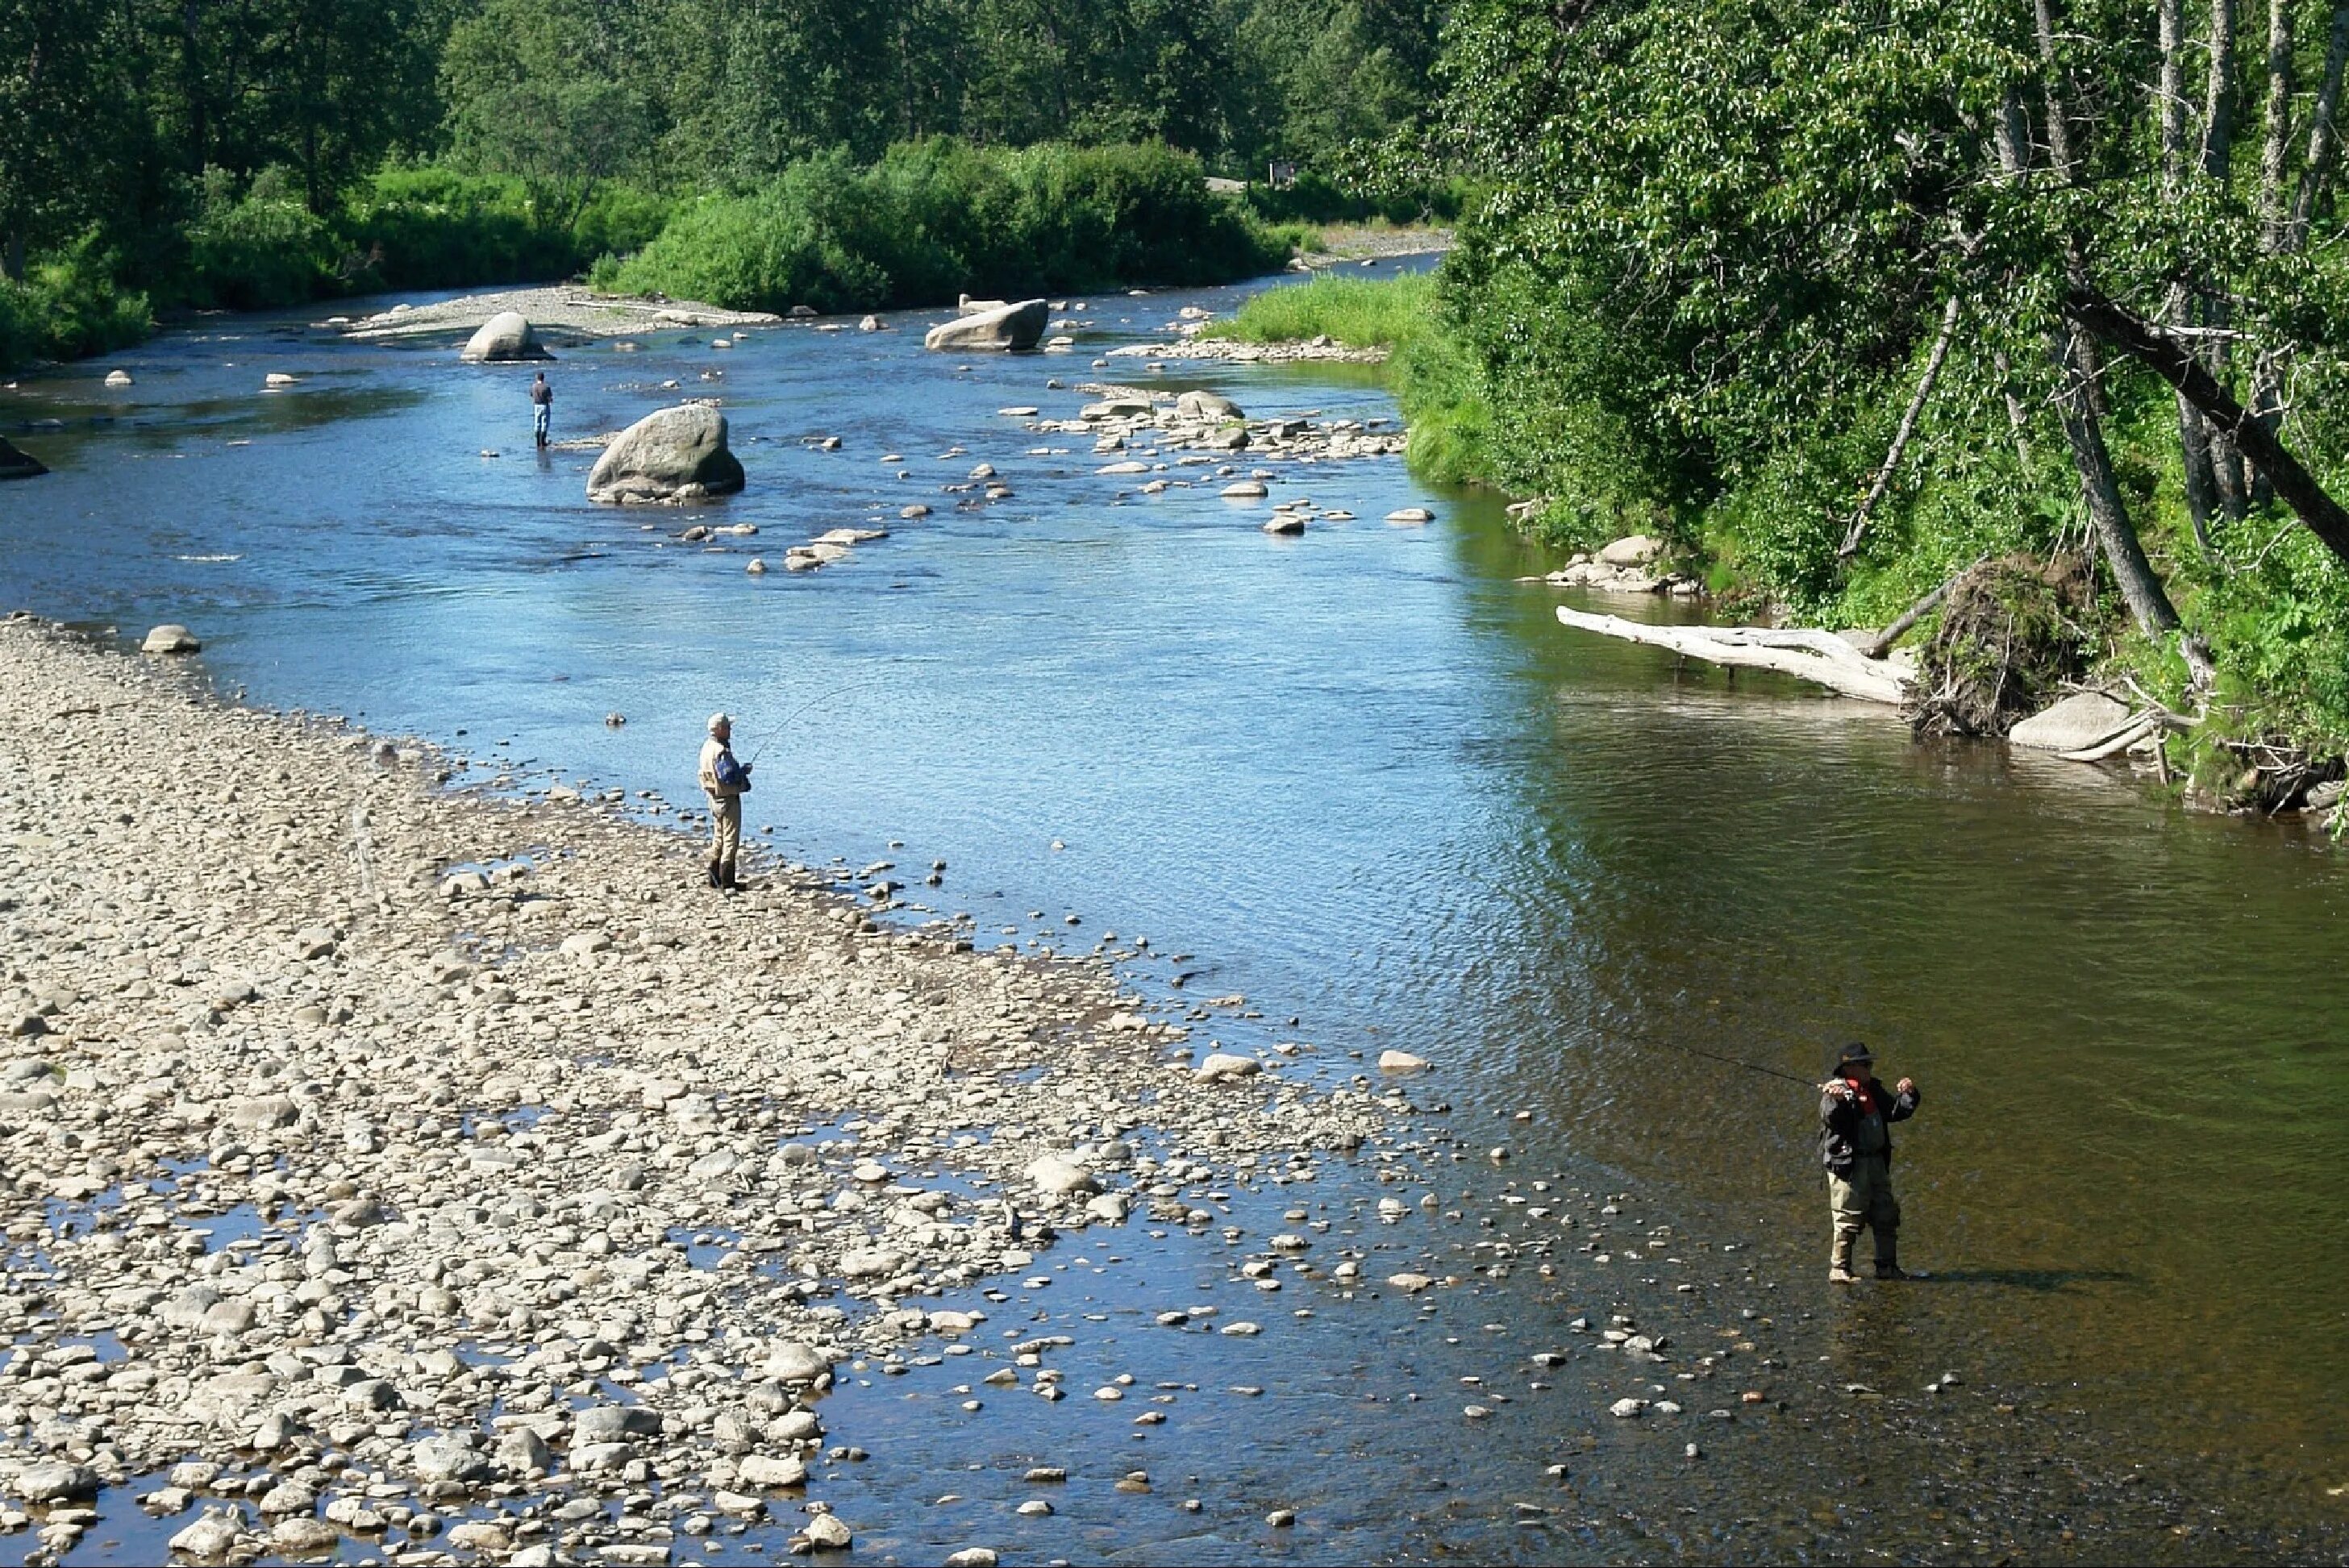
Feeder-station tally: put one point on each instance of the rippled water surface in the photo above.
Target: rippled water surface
(1365, 779)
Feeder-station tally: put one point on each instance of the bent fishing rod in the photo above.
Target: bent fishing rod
(775, 731)
(1646, 1038)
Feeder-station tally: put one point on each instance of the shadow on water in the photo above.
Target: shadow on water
(2038, 1281)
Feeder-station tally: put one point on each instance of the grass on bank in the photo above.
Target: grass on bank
(928, 221)
(935, 218)
(1435, 383)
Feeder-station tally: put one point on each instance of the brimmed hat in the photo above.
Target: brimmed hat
(718, 721)
(1854, 1054)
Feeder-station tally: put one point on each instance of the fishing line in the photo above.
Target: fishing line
(1646, 1038)
(776, 732)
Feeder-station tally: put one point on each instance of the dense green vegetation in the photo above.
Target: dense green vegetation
(156, 157)
(1847, 297)
(1438, 385)
(932, 218)
(1843, 299)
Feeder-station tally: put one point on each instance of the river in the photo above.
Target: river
(1364, 778)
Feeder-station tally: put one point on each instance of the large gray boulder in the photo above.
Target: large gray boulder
(671, 454)
(1202, 405)
(18, 465)
(1009, 327)
(506, 335)
(2081, 721)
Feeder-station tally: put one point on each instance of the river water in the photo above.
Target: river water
(1364, 778)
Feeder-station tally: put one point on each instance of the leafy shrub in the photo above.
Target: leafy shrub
(432, 227)
(69, 305)
(935, 218)
(1316, 199)
(258, 249)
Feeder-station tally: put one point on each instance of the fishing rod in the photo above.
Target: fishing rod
(1646, 1038)
(775, 731)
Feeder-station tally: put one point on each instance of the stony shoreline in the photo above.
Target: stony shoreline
(561, 307)
(398, 1151)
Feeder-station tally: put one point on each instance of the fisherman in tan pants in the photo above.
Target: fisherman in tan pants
(725, 781)
(1855, 1115)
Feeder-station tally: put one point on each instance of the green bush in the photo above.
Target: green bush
(257, 250)
(68, 305)
(1316, 199)
(937, 217)
(1437, 384)
(431, 227)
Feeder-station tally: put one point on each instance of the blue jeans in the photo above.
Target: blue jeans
(539, 413)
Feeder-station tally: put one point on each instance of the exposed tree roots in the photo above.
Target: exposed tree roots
(2014, 633)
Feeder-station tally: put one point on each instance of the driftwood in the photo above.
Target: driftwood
(1820, 658)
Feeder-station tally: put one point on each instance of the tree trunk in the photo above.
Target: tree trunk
(2171, 94)
(2218, 159)
(2147, 601)
(2218, 102)
(1908, 428)
(2157, 351)
(2059, 119)
(2276, 143)
(1812, 655)
(2015, 418)
(2322, 138)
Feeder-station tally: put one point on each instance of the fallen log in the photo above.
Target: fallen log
(1820, 658)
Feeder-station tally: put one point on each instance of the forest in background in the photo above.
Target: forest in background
(2040, 304)
(161, 157)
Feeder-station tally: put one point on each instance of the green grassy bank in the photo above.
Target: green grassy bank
(1428, 368)
(926, 221)
(2265, 595)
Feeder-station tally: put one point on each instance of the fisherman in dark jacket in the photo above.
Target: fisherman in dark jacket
(1856, 1114)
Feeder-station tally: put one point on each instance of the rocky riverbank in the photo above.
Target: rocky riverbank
(372, 1152)
(559, 307)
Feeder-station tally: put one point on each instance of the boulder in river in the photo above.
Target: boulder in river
(507, 336)
(117, 378)
(1201, 404)
(2080, 722)
(671, 454)
(18, 465)
(1631, 549)
(171, 639)
(1011, 327)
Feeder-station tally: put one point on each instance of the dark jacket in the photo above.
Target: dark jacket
(1842, 1126)
(541, 392)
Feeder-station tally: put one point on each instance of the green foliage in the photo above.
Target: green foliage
(68, 305)
(1445, 401)
(1315, 198)
(1705, 276)
(258, 249)
(435, 228)
(935, 218)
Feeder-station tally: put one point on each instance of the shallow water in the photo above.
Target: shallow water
(1365, 779)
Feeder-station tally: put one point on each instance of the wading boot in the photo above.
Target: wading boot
(1887, 1268)
(1839, 1261)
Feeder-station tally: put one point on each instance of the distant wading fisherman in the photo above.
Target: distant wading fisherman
(1856, 1113)
(725, 781)
(542, 406)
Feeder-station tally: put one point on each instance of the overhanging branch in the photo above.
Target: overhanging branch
(2161, 352)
